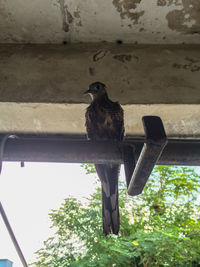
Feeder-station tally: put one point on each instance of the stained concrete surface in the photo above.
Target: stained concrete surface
(180, 121)
(41, 86)
(140, 21)
(149, 74)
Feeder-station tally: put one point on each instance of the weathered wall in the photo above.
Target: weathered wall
(179, 120)
(141, 21)
(41, 86)
(133, 74)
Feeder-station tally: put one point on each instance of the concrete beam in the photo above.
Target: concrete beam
(180, 121)
(133, 74)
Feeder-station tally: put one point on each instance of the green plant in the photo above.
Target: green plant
(160, 227)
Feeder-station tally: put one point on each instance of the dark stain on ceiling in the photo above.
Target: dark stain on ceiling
(126, 7)
(185, 20)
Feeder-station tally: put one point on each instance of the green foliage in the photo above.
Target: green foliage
(89, 168)
(161, 227)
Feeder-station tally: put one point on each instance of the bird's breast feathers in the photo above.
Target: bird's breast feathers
(104, 121)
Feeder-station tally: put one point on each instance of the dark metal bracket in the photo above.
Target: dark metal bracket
(155, 142)
(77, 149)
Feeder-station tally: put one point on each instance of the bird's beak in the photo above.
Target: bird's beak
(87, 92)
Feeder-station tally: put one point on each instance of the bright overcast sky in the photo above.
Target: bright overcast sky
(28, 194)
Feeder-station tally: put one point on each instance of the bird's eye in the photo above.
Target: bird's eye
(97, 87)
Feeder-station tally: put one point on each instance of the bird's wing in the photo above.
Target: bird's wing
(118, 122)
(90, 123)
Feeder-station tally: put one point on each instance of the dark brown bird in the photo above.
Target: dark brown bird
(105, 121)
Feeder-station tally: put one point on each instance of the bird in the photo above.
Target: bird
(105, 121)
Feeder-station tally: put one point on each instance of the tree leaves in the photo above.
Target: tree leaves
(160, 227)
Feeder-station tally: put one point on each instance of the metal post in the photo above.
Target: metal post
(11, 233)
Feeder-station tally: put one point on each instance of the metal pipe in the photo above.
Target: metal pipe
(48, 148)
(11, 233)
(55, 150)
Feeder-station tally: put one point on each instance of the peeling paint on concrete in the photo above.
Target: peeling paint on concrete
(91, 71)
(88, 21)
(123, 58)
(67, 17)
(161, 2)
(187, 19)
(99, 55)
(191, 64)
(168, 2)
(128, 9)
(77, 16)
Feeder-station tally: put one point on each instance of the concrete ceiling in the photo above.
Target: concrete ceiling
(41, 85)
(130, 21)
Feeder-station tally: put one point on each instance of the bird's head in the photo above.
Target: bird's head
(96, 90)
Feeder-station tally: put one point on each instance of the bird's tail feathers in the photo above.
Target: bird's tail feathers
(108, 175)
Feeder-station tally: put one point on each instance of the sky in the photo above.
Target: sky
(28, 194)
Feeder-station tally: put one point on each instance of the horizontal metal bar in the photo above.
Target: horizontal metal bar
(51, 150)
(183, 152)
(59, 148)
(151, 151)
